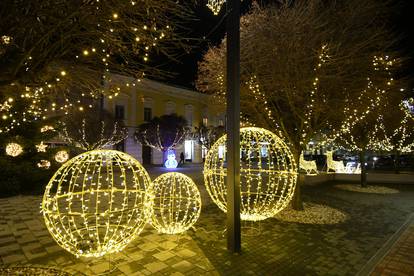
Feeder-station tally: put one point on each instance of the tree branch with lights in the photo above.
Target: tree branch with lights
(59, 52)
(300, 62)
(163, 133)
(93, 130)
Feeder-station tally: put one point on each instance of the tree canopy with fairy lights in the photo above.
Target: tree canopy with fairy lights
(58, 52)
(92, 130)
(207, 135)
(300, 62)
(163, 133)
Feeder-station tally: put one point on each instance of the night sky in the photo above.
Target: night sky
(212, 28)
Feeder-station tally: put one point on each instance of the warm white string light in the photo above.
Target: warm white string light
(177, 203)
(97, 203)
(14, 149)
(267, 174)
(61, 156)
(215, 5)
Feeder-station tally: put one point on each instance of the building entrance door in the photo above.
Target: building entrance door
(146, 155)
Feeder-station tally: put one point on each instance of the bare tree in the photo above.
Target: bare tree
(300, 62)
(59, 51)
(92, 130)
(163, 133)
(207, 135)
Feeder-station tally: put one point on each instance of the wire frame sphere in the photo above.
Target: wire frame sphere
(14, 149)
(267, 174)
(176, 203)
(97, 202)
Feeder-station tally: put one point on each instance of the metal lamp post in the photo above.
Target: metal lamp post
(233, 121)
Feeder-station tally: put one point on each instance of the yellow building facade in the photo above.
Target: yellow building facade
(148, 99)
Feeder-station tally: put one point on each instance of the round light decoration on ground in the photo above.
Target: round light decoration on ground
(177, 203)
(97, 202)
(62, 156)
(14, 149)
(267, 174)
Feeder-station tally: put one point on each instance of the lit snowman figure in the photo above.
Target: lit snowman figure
(171, 163)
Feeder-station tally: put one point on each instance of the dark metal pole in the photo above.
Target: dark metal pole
(233, 126)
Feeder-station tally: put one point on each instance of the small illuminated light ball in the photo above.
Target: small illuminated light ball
(61, 156)
(14, 149)
(44, 164)
(97, 202)
(171, 163)
(176, 203)
(267, 174)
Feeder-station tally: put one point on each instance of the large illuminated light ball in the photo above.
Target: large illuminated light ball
(97, 202)
(268, 174)
(14, 149)
(176, 203)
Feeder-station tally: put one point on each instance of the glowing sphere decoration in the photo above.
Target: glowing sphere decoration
(61, 156)
(14, 149)
(176, 204)
(267, 174)
(44, 164)
(97, 202)
(171, 163)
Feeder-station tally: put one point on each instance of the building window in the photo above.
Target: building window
(221, 122)
(120, 146)
(205, 121)
(221, 151)
(188, 109)
(119, 112)
(147, 114)
(169, 108)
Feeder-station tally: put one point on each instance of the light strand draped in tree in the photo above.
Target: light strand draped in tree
(163, 133)
(58, 52)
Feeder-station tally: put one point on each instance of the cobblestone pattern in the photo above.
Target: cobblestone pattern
(271, 247)
(400, 259)
(24, 240)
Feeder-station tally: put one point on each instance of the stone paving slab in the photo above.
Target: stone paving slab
(398, 258)
(21, 245)
(274, 248)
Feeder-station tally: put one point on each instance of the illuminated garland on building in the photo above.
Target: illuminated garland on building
(97, 203)
(177, 203)
(267, 174)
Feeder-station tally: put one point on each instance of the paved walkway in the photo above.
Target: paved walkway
(399, 259)
(274, 248)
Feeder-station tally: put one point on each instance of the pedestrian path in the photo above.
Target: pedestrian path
(396, 257)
